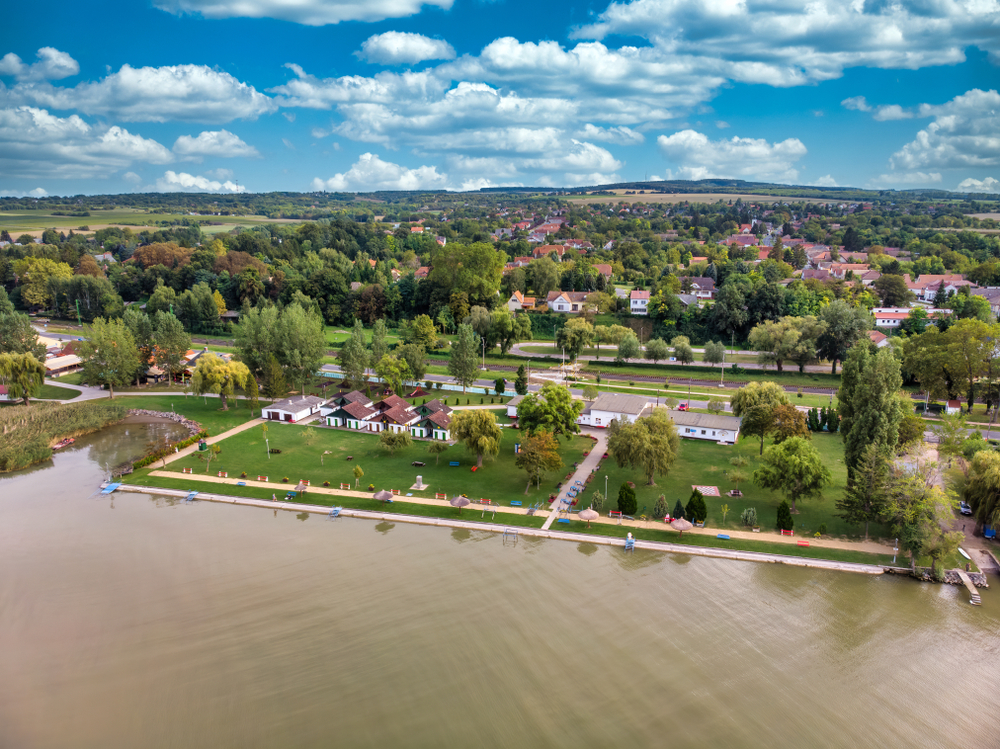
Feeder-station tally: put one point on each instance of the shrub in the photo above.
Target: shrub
(784, 520)
(821, 531)
(481, 401)
(326, 483)
(749, 517)
(799, 393)
(371, 487)
(274, 451)
(631, 384)
(627, 502)
(285, 480)
(678, 510)
(696, 510)
(243, 475)
(660, 508)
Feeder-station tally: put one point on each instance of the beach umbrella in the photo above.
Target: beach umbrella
(680, 525)
(300, 487)
(588, 515)
(383, 496)
(460, 502)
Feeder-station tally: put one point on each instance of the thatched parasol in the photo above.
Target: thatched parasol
(300, 487)
(680, 525)
(460, 502)
(588, 515)
(383, 496)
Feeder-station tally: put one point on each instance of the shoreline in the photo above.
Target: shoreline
(498, 528)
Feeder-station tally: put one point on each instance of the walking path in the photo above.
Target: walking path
(583, 470)
(701, 551)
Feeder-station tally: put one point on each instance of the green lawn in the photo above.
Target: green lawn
(703, 463)
(203, 410)
(54, 392)
(679, 373)
(302, 450)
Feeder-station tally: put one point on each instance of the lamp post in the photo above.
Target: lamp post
(605, 486)
(722, 372)
(484, 353)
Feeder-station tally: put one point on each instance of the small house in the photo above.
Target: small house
(294, 409)
(953, 407)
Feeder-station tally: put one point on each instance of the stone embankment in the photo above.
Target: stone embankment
(193, 427)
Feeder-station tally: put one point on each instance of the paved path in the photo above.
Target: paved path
(212, 440)
(583, 470)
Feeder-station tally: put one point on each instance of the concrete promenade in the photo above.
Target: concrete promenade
(715, 553)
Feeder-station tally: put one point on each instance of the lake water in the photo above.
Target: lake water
(139, 621)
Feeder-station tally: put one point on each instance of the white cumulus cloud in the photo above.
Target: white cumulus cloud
(370, 173)
(220, 143)
(400, 47)
(979, 185)
(307, 12)
(905, 179)
(51, 66)
(826, 181)
(183, 182)
(743, 158)
(621, 134)
(191, 93)
(35, 143)
(965, 133)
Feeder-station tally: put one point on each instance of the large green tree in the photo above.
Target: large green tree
(982, 488)
(794, 468)
(539, 453)
(215, 375)
(171, 343)
(869, 405)
(141, 328)
(754, 404)
(649, 444)
(301, 343)
(553, 410)
(463, 365)
(110, 355)
(575, 336)
(475, 269)
(845, 325)
(256, 338)
(393, 371)
(23, 375)
(478, 431)
(866, 496)
(353, 357)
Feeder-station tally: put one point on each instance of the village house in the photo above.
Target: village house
(546, 249)
(609, 406)
(702, 287)
(293, 409)
(519, 301)
(570, 302)
(639, 302)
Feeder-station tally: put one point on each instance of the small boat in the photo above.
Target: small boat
(962, 552)
(63, 443)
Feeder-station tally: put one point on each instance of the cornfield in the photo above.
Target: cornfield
(28, 433)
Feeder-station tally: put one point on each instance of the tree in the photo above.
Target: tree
(784, 521)
(109, 354)
(696, 511)
(544, 276)
(982, 488)
(379, 347)
(869, 409)
(213, 375)
(416, 359)
(597, 501)
(774, 341)
(866, 495)
(590, 393)
(660, 507)
(435, 448)
(275, 385)
(211, 454)
(628, 349)
(521, 382)
(678, 511)
(17, 336)
(23, 375)
(393, 371)
(301, 343)
(627, 503)
(715, 352)
(479, 431)
(256, 338)
(754, 404)
(141, 327)
(539, 453)
(507, 329)
(353, 356)
(656, 349)
(916, 511)
(845, 325)
(171, 344)
(649, 444)
(464, 361)
(480, 319)
(736, 475)
(499, 385)
(788, 422)
(358, 473)
(253, 393)
(893, 291)
(422, 331)
(682, 349)
(951, 433)
(552, 410)
(575, 336)
(34, 274)
(793, 468)
(391, 441)
(716, 406)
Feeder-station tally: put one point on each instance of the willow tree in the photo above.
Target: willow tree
(213, 375)
(23, 375)
(650, 444)
(793, 468)
(110, 356)
(479, 432)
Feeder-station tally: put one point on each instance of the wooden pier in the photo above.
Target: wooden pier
(974, 598)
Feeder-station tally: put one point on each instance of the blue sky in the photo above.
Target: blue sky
(357, 95)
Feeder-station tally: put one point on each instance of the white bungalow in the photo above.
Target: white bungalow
(294, 409)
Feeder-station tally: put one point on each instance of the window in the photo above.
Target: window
(702, 431)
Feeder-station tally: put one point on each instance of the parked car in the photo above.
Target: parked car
(964, 508)
(682, 407)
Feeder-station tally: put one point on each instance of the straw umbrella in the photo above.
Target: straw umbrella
(460, 502)
(588, 515)
(301, 487)
(383, 496)
(680, 525)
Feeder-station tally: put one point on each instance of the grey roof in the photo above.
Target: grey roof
(620, 403)
(298, 403)
(705, 421)
(687, 299)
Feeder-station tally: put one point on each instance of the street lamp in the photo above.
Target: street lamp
(605, 486)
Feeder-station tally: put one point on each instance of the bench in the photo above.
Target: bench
(803, 543)
(474, 468)
(616, 514)
(453, 463)
(395, 492)
(187, 470)
(223, 474)
(241, 483)
(788, 533)
(418, 464)
(335, 511)
(440, 495)
(723, 536)
(262, 478)
(304, 481)
(563, 520)
(345, 486)
(516, 503)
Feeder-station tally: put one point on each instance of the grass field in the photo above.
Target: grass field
(695, 197)
(34, 222)
(203, 410)
(320, 454)
(701, 463)
(54, 392)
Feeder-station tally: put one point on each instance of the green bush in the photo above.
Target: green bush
(696, 510)
(678, 510)
(784, 519)
(822, 529)
(627, 502)
(660, 508)
(749, 517)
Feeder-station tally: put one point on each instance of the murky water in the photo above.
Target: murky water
(143, 622)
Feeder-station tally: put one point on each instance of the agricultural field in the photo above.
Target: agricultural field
(35, 222)
(637, 196)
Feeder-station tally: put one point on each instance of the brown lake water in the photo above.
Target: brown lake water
(141, 621)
